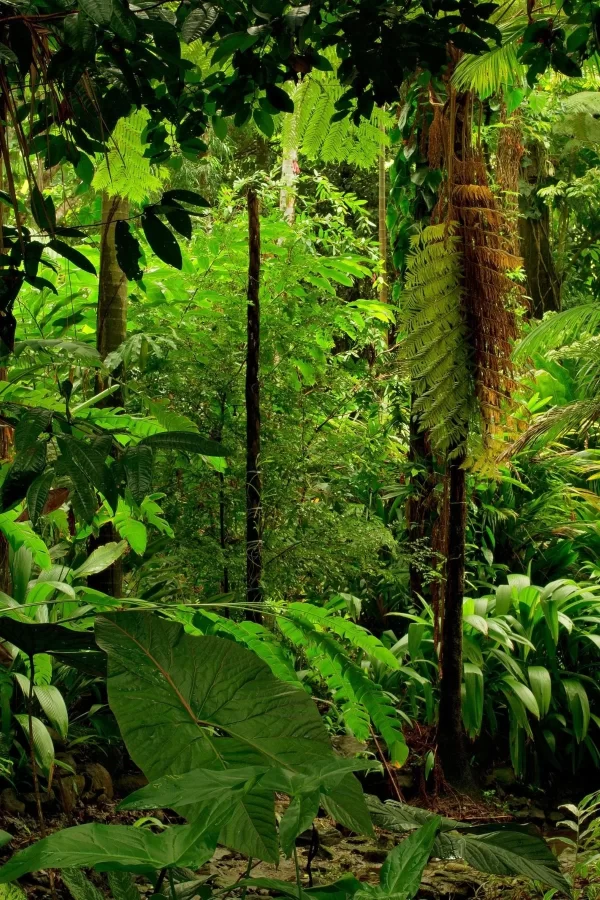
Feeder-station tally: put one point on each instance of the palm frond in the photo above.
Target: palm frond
(488, 73)
(575, 417)
(558, 329)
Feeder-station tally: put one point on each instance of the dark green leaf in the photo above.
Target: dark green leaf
(264, 122)
(73, 255)
(402, 871)
(186, 441)
(184, 196)
(578, 38)
(297, 818)
(37, 494)
(42, 209)
(40, 283)
(278, 98)
(469, 42)
(38, 637)
(179, 220)
(128, 251)
(198, 22)
(565, 64)
(137, 461)
(28, 464)
(161, 240)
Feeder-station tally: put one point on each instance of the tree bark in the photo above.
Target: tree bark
(543, 282)
(451, 736)
(111, 331)
(384, 294)
(253, 478)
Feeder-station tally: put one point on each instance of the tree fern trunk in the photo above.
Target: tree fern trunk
(451, 737)
(543, 282)
(253, 479)
(111, 331)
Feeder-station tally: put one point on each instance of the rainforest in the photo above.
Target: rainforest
(299, 449)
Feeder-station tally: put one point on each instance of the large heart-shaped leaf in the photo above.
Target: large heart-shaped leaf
(171, 692)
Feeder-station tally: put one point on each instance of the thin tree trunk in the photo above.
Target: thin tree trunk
(543, 282)
(289, 174)
(253, 479)
(384, 294)
(451, 736)
(110, 333)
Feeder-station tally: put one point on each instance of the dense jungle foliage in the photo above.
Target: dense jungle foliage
(299, 449)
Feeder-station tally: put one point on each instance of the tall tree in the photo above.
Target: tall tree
(253, 477)
(111, 331)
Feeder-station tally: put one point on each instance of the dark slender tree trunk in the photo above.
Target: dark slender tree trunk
(543, 282)
(384, 294)
(451, 736)
(253, 479)
(111, 331)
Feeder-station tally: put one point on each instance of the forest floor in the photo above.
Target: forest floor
(335, 854)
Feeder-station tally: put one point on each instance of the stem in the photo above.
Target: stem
(36, 783)
(253, 479)
(297, 866)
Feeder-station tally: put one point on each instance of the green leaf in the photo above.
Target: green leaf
(504, 851)
(133, 531)
(565, 64)
(264, 122)
(185, 441)
(42, 209)
(83, 496)
(101, 559)
(297, 818)
(469, 42)
(73, 255)
(11, 891)
(137, 461)
(198, 22)
(402, 871)
(196, 786)
(180, 220)
(579, 706)
(161, 240)
(473, 699)
(43, 749)
(79, 885)
(84, 168)
(526, 696)
(28, 464)
(280, 99)
(182, 195)
(578, 38)
(116, 848)
(51, 701)
(37, 494)
(167, 693)
(44, 637)
(21, 534)
(347, 805)
(127, 248)
(122, 886)
(541, 685)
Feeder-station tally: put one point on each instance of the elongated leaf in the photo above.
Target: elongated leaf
(182, 195)
(402, 871)
(51, 701)
(28, 465)
(79, 885)
(37, 494)
(186, 441)
(198, 22)
(37, 637)
(123, 886)
(21, 534)
(137, 461)
(118, 848)
(73, 255)
(162, 241)
(128, 251)
(42, 745)
(101, 559)
(524, 694)
(297, 818)
(508, 851)
(541, 685)
(168, 694)
(579, 705)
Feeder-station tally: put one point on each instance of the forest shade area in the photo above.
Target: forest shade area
(299, 461)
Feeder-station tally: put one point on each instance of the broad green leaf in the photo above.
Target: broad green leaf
(524, 694)
(185, 441)
(402, 871)
(51, 701)
(541, 685)
(42, 744)
(161, 240)
(346, 804)
(297, 818)
(101, 559)
(27, 466)
(504, 851)
(168, 694)
(37, 494)
(579, 705)
(116, 848)
(137, 461)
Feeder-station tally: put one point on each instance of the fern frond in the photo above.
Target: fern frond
(499, 67)
(348, 683)
(559, 329)
(124, 171)
(436, 341)
(575, 417)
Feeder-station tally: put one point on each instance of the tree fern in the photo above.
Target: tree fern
(436, 339)
(125, 171)
(348, 683)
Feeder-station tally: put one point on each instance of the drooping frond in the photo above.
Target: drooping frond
(125, 171)
(558, 329)
(436, 342)
(575, 417)
(488, 73)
